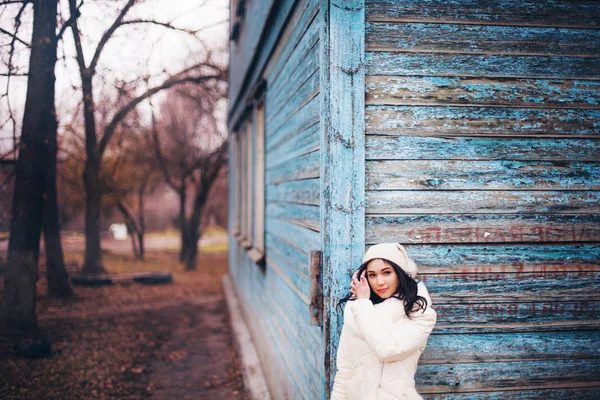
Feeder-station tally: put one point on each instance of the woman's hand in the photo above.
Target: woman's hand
(360, 288)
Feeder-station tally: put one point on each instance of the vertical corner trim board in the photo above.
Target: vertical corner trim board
(342, 159)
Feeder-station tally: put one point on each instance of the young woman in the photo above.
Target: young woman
(387, 320)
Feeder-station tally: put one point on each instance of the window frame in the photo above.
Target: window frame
(250, 178)
(257, 252)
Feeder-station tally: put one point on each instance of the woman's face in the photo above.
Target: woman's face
(382, 278)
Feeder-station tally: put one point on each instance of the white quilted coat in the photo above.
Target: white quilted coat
(379, 349)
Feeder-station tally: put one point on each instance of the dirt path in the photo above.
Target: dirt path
(133, 341)
(170, 350)
(200, 361)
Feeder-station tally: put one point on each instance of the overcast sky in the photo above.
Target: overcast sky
(131, 50)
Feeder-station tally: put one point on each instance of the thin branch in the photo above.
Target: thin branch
(118, 22)
(77, 37)
(14, 36)
(163, 24)
(10, 68)
(158, 152)
(68, 22)
(177, 79)
(168, 25)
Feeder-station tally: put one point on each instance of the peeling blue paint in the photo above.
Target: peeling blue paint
(406, 64)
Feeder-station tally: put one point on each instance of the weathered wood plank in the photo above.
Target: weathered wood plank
(250, 69)
(494, 258)
(484, 228)
(300, 214)
(342, 158)
(576, 393)
(269, 355)
(300, 368)
(482, 202)
(296, 283)
(277, 322)
(482, 175)
(443, 64)
(294, 35)
(481, 39)
(507, 287)
(285, 301)
(509, 375)
(579, 13)
(303, 142)
(516, 317)
(305, 166)
(242, 52)
(304, 118)
(297, 99)
(490, 347)
(296, 79)
(306, 191)
(295, 256)
(439, 121)
(298, 235)
(296, 51)
(431, 90)
(480, 148)
(316, 288)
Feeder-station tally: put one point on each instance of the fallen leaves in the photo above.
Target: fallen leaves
(108, 342)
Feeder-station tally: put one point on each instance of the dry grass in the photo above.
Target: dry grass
(206, 280)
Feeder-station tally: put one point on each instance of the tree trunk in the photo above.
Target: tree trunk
(56, 274)
(194, 228)
(131, 231)
(93, 254)
(191, 255)
(141, 215)
(39, 130)
(140, 236)
(185, 243)
(182, 225)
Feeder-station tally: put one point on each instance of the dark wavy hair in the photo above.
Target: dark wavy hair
(407, 291)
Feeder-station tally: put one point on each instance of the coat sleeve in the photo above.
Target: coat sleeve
(344, 366)
(393, 341)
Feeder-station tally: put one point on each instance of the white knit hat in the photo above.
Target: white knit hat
(393, 252)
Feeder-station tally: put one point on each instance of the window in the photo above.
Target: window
(247, 187)
(257, 253)
(237, 229)
(236, 16)
(249, 180)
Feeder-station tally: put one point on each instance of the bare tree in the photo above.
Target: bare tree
(36, 149)
(96, 145)
(129, 176)
(57, 277)
(191, 151)
(56, 273)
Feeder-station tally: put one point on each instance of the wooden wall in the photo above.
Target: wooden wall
(482, 154)
(243, 51)
(276, 300)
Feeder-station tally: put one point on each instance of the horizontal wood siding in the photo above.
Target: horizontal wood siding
(242, 51)
(483, 157)
(261, 29)
(278, 299)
